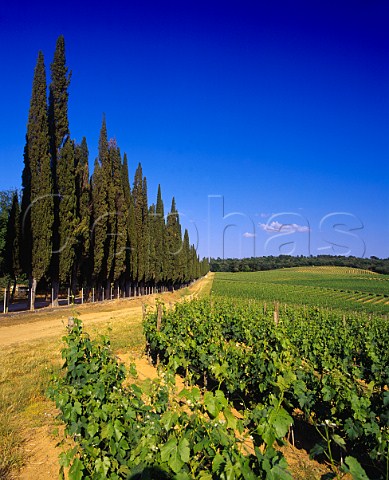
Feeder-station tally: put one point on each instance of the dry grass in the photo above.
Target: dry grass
(24, 375)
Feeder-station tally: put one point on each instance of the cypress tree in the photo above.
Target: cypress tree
(159, 240)
(146, 234)
(130, 225)
(38, 209)
(58, 100)
(141, 230)
(100, 209)
(138, 254)
(68, 221)
(121, 231)
(6, 198)
(125, 180)
(133, 242)
(173, 245)
(12, 244)
(185, 258)
(25, 216)
(110, 240)
(198, 270)
(59, 136)
(83, 196)
(152, 244)
(192, 262)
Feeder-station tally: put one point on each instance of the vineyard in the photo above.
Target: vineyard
(256, 373)
(290, 365)
(330, 287)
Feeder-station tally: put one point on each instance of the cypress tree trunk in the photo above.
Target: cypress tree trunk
(11, 299)
(55, 287)
(127, 288)
(73, 283)
(107, 295)
(33, 285)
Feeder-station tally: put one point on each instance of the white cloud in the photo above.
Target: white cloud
(249, 235)
(277, 227)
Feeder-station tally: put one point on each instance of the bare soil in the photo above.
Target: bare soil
(30, 326)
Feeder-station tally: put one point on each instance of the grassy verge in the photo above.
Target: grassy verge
(24, 375)
(25, 372)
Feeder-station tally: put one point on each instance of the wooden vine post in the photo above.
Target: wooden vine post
(276, 312)
(70, 323)
(159, 322)
(159, 317)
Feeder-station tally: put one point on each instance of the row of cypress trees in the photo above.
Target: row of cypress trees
(97, 232)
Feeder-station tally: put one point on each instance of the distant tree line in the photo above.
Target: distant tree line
(255, 264)
(75, 230)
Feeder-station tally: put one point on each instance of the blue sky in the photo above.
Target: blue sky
(268, 121)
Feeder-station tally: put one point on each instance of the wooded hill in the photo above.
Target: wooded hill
(255, 264)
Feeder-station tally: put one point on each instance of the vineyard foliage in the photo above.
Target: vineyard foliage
(332, 287)
(253, 369)
(332, 368)
(125, 432)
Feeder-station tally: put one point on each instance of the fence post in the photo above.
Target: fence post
(118, 292)
(103, 294)
(68, 296)
(276, 307)
(159, 317)
(5, 301)
(82, 295)
(93, 294)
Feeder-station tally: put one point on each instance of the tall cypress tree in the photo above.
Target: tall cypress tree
(68, 221)
(159, 239)
(173, 245)
(138, 254)
(12, 243)
(152, 224)
(111, 219)
(100, 227)
(146, 235)
(121, 231)
(6, 198)
(25, 216)
(38, 209)
(83, 196)
(58, 100)
(185, 259)
(141, 229)
(129, 213)
(192, 261)
(62, 164)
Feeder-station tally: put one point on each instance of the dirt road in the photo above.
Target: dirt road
(27, 327)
